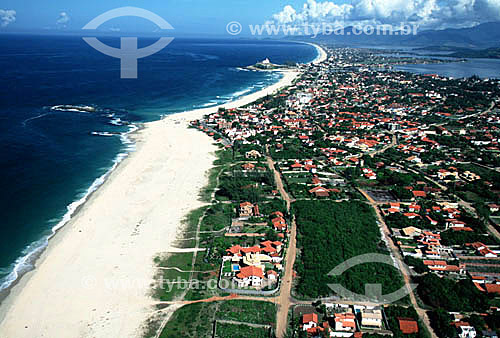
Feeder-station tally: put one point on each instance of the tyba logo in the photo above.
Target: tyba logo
(373, 292)
(128, 53)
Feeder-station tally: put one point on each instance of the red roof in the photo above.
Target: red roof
(249, 271)
(408, 326)
(417, 193)
(310, 317)
(493, 288)
(278, 213)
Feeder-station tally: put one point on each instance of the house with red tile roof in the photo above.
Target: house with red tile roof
(246, 209)
(309, 321)
(320, 192)
(345, 322)
(419, 194)
(249, 276)
(408, 325)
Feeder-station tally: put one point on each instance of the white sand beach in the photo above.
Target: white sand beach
(322, 55)
(93, 279)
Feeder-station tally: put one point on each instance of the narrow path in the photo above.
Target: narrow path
(284, 300)
(218, 299)
(402, 267)
(257, 326)
(179, 270)
(394, 142)
(185, 250)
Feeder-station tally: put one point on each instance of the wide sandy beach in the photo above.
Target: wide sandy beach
(94, 278)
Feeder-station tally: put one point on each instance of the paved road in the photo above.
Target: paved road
(225, 141)
(403, 268)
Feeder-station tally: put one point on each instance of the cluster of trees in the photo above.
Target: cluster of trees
(399, 221)
(293, 150)
(451, 295)
(217, 217)
(389, 177)
(244, 187)
(331, 233)
(402, 193)
(451, 237)
(417, 264)
(276, 204)
(440, 322)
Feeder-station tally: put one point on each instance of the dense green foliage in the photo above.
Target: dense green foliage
(440, 322)
(217, 217)
(451, 237)
(450, 295)
(331, 233)
(417, 264)
(239, 186)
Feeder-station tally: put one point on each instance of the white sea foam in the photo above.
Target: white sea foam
(117, 122)
(242, 92)
(25, 263)
(102, 133)
(77, 109)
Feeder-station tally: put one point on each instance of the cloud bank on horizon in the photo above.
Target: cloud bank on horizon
(7, 16)
(428, 14)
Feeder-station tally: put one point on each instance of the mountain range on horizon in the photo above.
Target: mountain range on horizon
(483, 36)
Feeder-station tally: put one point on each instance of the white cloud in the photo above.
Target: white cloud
(7, 16)
(63, 19)
(424, 13)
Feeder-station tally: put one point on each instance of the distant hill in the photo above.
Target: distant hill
(484, 36)
(489, 53)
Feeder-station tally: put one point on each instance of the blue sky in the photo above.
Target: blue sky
(210, 17)
(186, 16)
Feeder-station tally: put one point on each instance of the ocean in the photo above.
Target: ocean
(66, 116)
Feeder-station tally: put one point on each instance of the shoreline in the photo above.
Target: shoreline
(72, 210)
(18, 304)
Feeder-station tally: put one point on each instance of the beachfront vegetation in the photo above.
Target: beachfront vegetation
(226, 330)
(197, 320)
(247, 311)
(171, 270)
